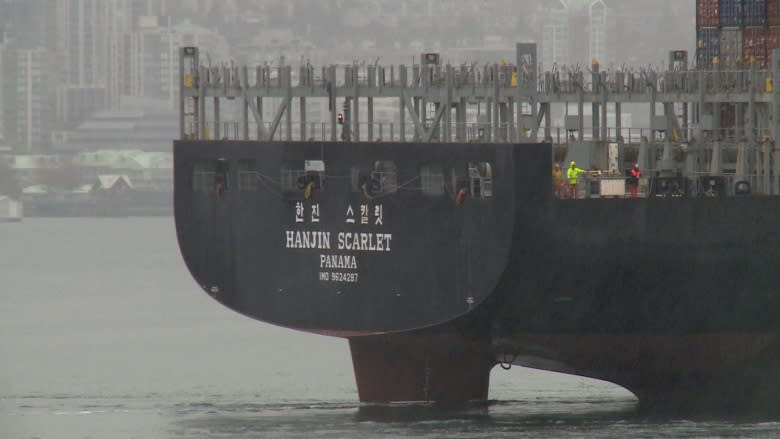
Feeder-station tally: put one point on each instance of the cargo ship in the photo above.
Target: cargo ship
(674, 298)
(448, 251)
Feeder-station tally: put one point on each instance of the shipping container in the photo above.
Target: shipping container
(707, 13)
(773, 12)
(754, 46)
(772, 40)
(730, 48)
(754, 12)
(731, 13)
(707, 47)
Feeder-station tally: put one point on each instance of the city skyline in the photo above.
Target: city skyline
(61, 66)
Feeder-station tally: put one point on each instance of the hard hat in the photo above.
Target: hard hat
(636, 165)
(572, 163)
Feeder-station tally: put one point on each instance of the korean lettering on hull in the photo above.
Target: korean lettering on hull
(339, 252)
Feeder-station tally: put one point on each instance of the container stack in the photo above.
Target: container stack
(733, 34)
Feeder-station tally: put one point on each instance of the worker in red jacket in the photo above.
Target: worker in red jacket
(633, 181)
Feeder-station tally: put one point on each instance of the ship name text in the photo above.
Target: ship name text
(350, 241)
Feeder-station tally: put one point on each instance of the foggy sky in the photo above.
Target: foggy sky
(640, 31)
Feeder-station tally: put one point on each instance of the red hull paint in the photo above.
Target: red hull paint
(441, 368)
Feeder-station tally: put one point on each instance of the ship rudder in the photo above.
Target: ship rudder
(440, 368)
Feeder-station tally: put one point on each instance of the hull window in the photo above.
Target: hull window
(711, 186)
(358, 175)
(222, 177)
(384, 177)
(211, 176)
(742, 188)
(669, 187)
(479, 181)
(289, 176)
(247, 176)
(432, 180)
(203, 176)
(381, 178)
(302, 177)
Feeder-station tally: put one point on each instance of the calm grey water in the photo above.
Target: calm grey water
(103, 334)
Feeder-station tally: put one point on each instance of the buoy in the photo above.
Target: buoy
(460, 197)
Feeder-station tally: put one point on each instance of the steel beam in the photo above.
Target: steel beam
(501, 92)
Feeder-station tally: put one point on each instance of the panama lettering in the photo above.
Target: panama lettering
(338, 261)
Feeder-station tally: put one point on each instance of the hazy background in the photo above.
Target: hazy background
(85, 74)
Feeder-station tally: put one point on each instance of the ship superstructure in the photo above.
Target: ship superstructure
(696, 121)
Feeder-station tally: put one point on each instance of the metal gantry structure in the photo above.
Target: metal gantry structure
(695, 116)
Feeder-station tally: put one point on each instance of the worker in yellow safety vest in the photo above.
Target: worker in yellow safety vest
(573, 176)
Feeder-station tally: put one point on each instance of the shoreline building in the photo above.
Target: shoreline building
(599, 32)
(555, 39)
(5, 89)
(94, 43)
(26, 109)
(577, 32)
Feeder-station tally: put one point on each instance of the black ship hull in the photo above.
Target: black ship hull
(437, 276)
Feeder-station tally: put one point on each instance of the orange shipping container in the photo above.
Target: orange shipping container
(772, 39)
(708, 13)
(773, 12)
(772, 42)
(754, 43)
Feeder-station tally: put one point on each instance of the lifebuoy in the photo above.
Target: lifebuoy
(460, 197)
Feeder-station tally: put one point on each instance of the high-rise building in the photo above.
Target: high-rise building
(555, 39)
(213, 46)
(82, 30)
(4, 88)
(152, 52)
(599, 32)
(95, 43)
(146, 8)
(30, 23)
(578, 31)
(30, 107)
